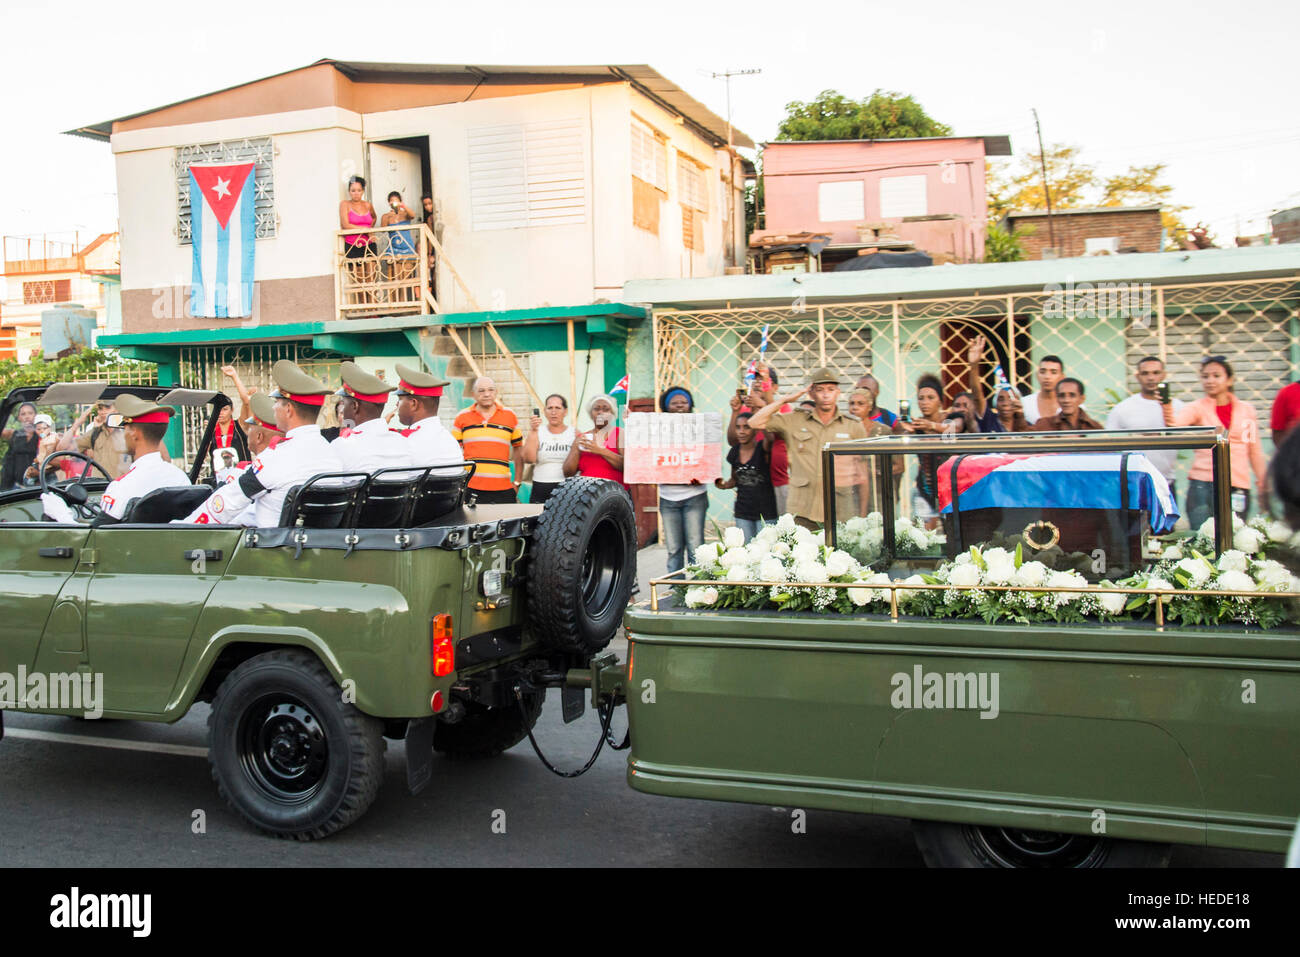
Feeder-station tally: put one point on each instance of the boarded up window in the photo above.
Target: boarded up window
(690, 185)
(902, 196)
(47, 290)
(649, 156)
(840, 202)
(646, 201)
(527, 175)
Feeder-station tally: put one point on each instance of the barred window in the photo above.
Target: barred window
(258, 150)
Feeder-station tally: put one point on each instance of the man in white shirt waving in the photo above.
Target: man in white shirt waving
(366, 444)
(257, 496)
(418, 397)
(143, 424)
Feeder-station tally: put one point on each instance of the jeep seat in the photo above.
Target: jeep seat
(328, 500)
(163, 505)
(440, 492)
(389, 497)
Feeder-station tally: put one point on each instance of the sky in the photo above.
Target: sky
(1209, 90)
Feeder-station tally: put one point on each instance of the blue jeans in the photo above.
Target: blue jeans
(683, 528)
(750, 526)
(1200, 502)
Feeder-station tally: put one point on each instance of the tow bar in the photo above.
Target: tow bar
(607, 679)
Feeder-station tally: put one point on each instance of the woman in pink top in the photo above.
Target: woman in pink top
(1222, 410)
(599, 453)
(357, 211)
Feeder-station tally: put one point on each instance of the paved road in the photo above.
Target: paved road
(83, 803)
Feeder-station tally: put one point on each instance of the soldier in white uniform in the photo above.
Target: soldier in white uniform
(143, 424)
(261, 490)
(418, 396)
(366, 444)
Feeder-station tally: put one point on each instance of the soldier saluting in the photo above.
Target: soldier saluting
(367, 444)
(143, 424)
(257, 496)
(418, 396)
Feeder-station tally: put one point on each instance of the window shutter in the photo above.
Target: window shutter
(527, 175)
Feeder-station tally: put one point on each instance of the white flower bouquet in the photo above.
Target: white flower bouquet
(864, 538)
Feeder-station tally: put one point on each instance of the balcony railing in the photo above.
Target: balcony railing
(398, 270)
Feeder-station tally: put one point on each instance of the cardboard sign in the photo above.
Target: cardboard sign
(671, 448)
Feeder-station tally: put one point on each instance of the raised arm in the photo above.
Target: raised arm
(531, 441)
(764, 415)
(973, 357)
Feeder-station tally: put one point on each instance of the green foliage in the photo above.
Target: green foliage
(1001, 246)
(86, 364)
(880, 116)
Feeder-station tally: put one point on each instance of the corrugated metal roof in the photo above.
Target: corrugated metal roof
(999, 145)
(643, 77)
(957, 280)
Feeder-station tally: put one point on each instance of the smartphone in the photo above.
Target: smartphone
(740, 394)
(904, 410)
(537, 412)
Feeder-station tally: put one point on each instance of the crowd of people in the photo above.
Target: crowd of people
(774, 441)
(767, 429)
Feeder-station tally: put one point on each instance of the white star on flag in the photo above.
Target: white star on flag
(222, 189)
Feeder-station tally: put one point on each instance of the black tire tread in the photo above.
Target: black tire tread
(553, 610)
(364, 740)
(942, 845)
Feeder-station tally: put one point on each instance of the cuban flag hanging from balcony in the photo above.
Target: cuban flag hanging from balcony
(222, 229)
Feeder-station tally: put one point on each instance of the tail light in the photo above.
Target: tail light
(443, 646)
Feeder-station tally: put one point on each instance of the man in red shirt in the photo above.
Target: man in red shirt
(489, 434)
(1286, 412)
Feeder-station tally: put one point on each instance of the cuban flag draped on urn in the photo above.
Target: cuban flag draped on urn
(223, 230)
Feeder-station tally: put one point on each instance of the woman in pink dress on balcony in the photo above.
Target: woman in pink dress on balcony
(355, 211)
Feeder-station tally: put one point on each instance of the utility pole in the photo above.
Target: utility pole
(726, 75)
(1047, 190)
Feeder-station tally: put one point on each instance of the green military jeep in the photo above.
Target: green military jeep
(384, 605)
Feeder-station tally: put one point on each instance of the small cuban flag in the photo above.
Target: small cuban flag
(1001, 381)
(620, 386)
(223, 232)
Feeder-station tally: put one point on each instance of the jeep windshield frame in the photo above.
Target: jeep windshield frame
(153, 393)
(885, 449)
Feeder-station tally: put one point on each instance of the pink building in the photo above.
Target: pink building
(930, 191)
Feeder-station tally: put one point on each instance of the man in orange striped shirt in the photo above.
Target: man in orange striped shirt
(489, 434)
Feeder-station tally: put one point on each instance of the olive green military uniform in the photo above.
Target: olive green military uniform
(804, 435)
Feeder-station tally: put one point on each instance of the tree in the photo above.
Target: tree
(1069, 179)
(880, 116)
(1141, 186)
(1074, 183)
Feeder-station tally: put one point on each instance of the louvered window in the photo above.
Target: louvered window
(690, 185)
(528, 175)
(649, 156)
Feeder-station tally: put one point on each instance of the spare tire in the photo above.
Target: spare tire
(583, 565)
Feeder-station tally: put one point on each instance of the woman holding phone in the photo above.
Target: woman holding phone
(547, 449)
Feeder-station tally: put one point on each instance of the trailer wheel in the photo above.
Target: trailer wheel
(583, 565)
(287, 753)
(486, 732)
(974, 845)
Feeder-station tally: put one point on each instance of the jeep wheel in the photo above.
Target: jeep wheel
(973, 845)
(583, 566)
(486, 732)
(287, 753)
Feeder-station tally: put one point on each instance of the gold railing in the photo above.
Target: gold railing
(396, 272)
